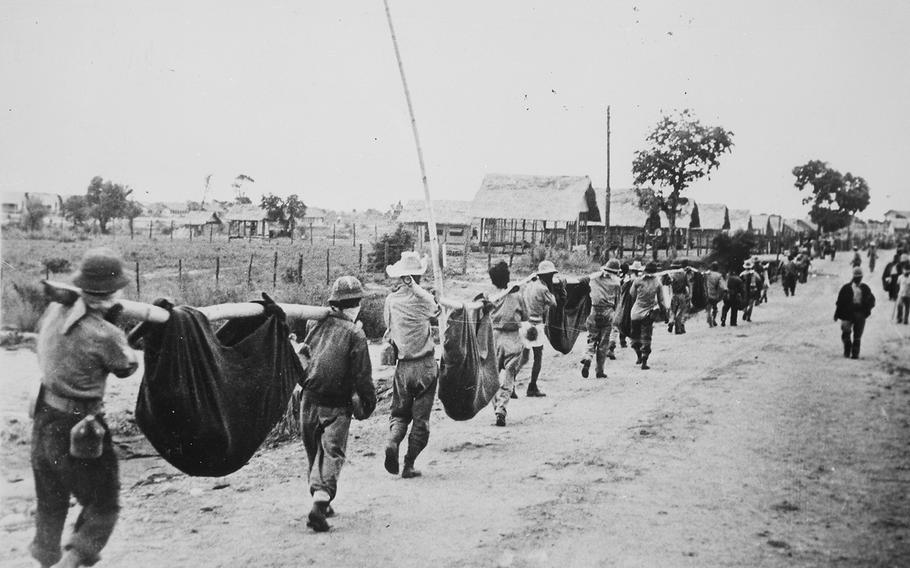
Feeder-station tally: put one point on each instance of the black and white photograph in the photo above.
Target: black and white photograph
(506, 284)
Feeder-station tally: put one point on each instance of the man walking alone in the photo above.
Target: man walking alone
(854, 304)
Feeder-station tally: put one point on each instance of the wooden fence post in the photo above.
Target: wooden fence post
(211, 232)
(249, 273)
(360, 259)
(138, 290)
(275, 271)
(180, 270)
(172, 230)
(311, 232)
(327, 267)
(217, 270)
(300, 269)
(387, 253)
(354, 239)
(150, 229)
(333, 234)
(467, 251)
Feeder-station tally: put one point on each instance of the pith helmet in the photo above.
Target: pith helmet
(410, 264)
(101, 272)
(346, 288)
(546, 267)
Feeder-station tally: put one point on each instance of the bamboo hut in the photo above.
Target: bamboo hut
(739, 220)
(712, 219)
(197, 221)
(246, 221)
(453, 220)
(527, 210)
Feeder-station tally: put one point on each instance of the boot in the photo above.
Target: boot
(316, 518)
(513, 395)
(644, 362)
(391, 458)
(638, 354)
(585, 370)
(600, 374)
(500, 420)
(848, 347)
(409, 472)
(854, 352)
(669, 328)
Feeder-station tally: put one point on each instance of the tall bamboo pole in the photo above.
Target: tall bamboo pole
(431, 219)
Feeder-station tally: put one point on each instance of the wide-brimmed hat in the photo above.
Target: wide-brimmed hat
(636, 266)
(410, 264)
(346, 288)
(748, 264)
(546, 267)
(101, 272)
(651, 268)
(612, 266)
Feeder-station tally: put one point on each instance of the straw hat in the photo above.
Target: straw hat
(410, 264)
(546, 267)
(748, 264)
(636, 266)
(101, 272)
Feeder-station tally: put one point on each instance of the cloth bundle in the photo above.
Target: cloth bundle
(209, 399)
(567, 319)
(699, 293)
(468, 375)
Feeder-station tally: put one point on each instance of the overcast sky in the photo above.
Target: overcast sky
(305, 97)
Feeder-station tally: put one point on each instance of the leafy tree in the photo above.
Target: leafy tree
(285, 211)
(34, 214)
(730, 251)
(394, 243)
(76, 210)
(238, 185)
(835, 197)
(680, 151)
(243, 200)
(131, 211)
(107, 200)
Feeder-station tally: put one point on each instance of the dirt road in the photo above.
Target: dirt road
(750, 446)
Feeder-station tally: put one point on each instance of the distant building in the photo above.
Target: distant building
(15, 203)
(899, 220)
(527, 209)
(246, 221)
(453, 220)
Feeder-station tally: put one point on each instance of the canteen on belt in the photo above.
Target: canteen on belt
(87, 438)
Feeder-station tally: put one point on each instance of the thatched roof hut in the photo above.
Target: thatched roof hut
(714, 216)
(759, 223)
(453, 219)
(200, 218)
(544, 198)
(739, 219)
(445, 211)
(534, 207)
(624, 211)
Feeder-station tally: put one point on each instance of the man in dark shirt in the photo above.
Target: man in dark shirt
(854, 304)
(733, 299)
(339, 381)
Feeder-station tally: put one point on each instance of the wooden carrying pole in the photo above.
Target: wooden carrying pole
(431, 219)
(61, 291)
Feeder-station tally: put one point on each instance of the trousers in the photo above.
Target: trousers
(731, 308)
(413, 393)
(711, 311)
(510, 356)
(641, 331)
(903, 309)
(852, 334)
(95, 483)
(324, 430)
(679, 311)
(602, 336)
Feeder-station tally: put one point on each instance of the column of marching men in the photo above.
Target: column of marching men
(78, 346)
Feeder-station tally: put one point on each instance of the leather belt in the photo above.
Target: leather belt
(72, 405)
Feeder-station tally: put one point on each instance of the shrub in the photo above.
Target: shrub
(400, 240)
(371, 315)
(731, 251)
(56, 265)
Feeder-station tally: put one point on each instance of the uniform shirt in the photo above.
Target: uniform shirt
(509, 311)
(407, 316)
(646, 296)
(538, 300)
(77, 349)
(339, 363)
(605, 290)
(714, 285)
(903, 285)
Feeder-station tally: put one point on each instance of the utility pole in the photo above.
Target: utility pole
(607, 207)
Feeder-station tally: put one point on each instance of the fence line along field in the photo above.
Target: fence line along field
(187, 272)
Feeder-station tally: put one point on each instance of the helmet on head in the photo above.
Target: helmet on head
(546, 267)
(346, 288)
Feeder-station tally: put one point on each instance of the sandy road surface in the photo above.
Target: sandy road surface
(751, 446)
